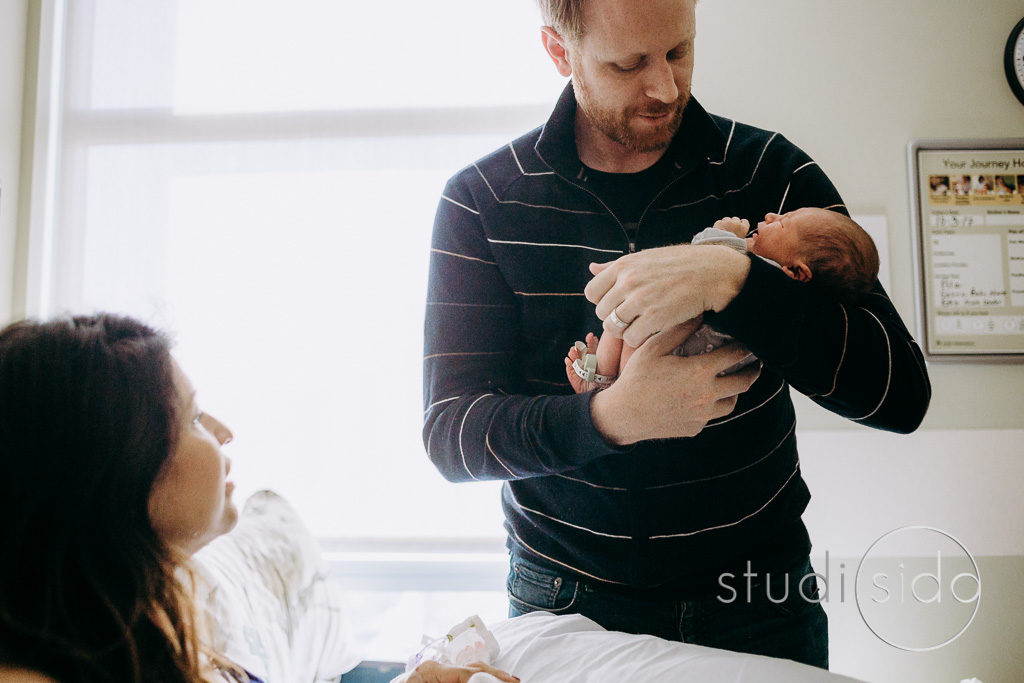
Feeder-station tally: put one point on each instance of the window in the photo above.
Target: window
(260, 178)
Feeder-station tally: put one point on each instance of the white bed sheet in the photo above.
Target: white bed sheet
(547, 648)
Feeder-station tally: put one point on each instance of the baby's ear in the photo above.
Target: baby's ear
(799, 271)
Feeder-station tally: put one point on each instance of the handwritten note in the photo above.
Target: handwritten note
(967, 271)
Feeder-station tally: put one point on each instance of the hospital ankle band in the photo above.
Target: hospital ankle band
(586, 367)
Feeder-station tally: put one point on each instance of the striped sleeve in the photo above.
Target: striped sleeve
(478, 424)
(858, 361)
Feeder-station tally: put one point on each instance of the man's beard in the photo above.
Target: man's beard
(617, 125)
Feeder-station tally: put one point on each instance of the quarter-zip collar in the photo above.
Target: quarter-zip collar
(699, 138)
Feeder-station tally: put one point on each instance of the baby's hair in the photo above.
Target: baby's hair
(842, 257)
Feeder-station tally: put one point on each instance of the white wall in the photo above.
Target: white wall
(12, 70)
(964, 482)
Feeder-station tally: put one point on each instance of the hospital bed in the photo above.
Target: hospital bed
(278, 613)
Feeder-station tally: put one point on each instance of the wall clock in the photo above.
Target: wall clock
(1014, 60)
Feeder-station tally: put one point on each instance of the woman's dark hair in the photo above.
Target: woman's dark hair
(88, 416)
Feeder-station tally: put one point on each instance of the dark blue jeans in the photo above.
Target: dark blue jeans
(782, 617)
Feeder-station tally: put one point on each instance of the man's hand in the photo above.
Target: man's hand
(736, 225)
(433, 672)
(661, 396)
(656, 289)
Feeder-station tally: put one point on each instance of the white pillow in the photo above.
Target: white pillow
(274, 608)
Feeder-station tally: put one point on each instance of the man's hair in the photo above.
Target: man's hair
(842, 257)
(565, 16)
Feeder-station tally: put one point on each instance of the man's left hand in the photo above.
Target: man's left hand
(656, 289)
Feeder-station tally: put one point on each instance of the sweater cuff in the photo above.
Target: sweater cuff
(572, 429)
(766, 312)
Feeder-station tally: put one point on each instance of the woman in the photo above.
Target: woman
(110, 478)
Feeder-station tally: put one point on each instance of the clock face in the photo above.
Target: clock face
(1014, 60)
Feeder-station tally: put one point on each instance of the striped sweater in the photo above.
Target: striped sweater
(512, 238)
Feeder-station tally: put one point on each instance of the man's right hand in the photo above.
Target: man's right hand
(661, 396)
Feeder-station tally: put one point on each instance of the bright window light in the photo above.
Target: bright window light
(260, 178)
(219, 56)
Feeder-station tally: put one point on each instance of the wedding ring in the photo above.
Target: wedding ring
(616, 320)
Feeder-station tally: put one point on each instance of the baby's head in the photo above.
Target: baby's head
(820, 244)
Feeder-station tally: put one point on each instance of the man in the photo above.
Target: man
(670, 502)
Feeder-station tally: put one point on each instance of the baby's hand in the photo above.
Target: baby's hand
(737, 226)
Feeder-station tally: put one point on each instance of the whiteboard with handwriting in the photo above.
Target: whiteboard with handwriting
(968, 198)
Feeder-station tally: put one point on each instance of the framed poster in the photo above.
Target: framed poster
(968, 210)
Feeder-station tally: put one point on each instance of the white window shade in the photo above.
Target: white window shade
(220, 56)
(296, 290)
(260, 178)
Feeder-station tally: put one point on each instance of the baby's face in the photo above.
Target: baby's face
(779, 237)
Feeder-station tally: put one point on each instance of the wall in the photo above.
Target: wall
(12, 70)
(852, 83)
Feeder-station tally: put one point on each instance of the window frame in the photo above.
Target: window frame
(61, 135)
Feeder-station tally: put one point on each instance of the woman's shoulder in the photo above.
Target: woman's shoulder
(15, 675)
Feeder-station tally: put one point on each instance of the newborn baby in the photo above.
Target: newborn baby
(808, 244)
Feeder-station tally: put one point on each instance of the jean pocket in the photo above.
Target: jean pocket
(532, 588)
(795, 591)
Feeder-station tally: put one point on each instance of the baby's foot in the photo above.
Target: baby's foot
(580, 385)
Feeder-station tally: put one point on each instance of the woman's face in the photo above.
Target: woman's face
(190, 502)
